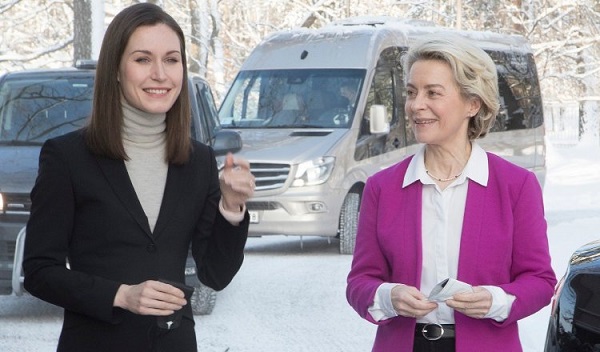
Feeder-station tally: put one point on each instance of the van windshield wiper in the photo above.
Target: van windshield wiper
(308, 125)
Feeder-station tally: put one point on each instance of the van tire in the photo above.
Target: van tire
(348, 223)
(203, 300)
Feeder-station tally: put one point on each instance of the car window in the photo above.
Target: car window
(207, 112)
(33, 110)
(520, 100)
(295, 98)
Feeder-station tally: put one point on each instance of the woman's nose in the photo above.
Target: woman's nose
(416, 102)
(158, 71)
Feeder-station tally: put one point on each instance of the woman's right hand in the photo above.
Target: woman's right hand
(237, 183)
(150, 298)
(409, 302)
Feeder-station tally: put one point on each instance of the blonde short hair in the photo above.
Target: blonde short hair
(473, 69)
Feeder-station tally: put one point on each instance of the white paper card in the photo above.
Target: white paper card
(446, 289)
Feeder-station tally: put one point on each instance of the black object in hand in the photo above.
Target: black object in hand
(172, 321)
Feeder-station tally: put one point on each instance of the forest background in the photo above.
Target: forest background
(565, 36)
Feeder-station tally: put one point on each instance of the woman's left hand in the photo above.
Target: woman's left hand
(237, 183)
(474, 304)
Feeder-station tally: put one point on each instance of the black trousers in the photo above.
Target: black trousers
(442, 345)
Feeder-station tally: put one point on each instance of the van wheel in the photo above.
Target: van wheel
(203, 300)
(348, 223)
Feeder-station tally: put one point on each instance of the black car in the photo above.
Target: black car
(575, 316)
(36, 105)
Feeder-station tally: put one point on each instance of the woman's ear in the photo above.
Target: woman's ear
(474, 106)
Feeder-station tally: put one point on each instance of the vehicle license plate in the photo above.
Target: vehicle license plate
(253, 217)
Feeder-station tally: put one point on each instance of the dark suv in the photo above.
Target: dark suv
(39, 104)
(575, 316)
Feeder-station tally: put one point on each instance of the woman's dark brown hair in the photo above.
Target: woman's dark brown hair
(103, 133)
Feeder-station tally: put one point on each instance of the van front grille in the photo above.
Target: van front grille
(254, 206)
(270, 176)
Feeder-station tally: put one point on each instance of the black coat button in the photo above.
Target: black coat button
(151, 248)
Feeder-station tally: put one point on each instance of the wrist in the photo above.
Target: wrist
(231, 208)
(120, 300)
(234, 217)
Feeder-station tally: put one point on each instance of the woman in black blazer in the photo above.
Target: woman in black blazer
(122, 200)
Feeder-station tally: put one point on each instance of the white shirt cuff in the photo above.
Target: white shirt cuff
(382, 307)
(233, 217)
(501, 303)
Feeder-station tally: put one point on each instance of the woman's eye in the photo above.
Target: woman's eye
(142, 60)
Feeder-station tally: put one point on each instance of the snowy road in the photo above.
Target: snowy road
(291, 299)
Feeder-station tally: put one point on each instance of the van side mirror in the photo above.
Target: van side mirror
(378, 123)
(227, 141)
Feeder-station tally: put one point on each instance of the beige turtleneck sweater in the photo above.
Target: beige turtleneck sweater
(145, 143)
(144, 139)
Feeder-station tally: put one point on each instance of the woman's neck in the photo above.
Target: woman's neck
(446, 164)
(142, 127)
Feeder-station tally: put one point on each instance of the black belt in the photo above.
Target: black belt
(433, 331)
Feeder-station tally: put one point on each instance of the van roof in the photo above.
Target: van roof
(354, 42)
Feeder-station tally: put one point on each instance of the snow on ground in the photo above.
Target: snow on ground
(572, 201)
(290, 295)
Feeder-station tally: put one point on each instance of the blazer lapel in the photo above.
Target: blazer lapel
(413, 217)
(118, 178)
(177, 181)
(472, 229)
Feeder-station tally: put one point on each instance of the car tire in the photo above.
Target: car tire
(203, 300)
(348, 223)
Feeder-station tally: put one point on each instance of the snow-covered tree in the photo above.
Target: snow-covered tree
(35, 34)
(221, 33)
(82, 29)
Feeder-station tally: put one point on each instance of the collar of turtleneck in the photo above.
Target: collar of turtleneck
(143, 128)
(144, 140)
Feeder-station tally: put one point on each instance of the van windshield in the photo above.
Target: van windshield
(35, 109)
(301, 98)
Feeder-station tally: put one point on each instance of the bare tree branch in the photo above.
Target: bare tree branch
(35, 55)
(8, 5)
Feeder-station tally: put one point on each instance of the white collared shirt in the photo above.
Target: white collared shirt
(442, 220)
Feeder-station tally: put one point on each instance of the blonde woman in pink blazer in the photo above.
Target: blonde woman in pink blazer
(451, 211)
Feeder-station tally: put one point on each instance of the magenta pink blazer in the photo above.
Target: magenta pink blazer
(504, 243)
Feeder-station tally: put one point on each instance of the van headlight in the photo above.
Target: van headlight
(1, 203)
(313, 172)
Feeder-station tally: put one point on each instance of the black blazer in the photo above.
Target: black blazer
(84, 208)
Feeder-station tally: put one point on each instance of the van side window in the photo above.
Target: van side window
(386, 89)
(520, 101)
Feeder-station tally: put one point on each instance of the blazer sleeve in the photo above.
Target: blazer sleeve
(369, 267)
(47, 242)
(533, 278)
(217, 245)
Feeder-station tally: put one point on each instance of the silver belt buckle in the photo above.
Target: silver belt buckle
(426, 333)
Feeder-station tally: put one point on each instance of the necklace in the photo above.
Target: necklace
(443, 179)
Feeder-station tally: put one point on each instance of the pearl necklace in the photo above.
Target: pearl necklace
(443, 179)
